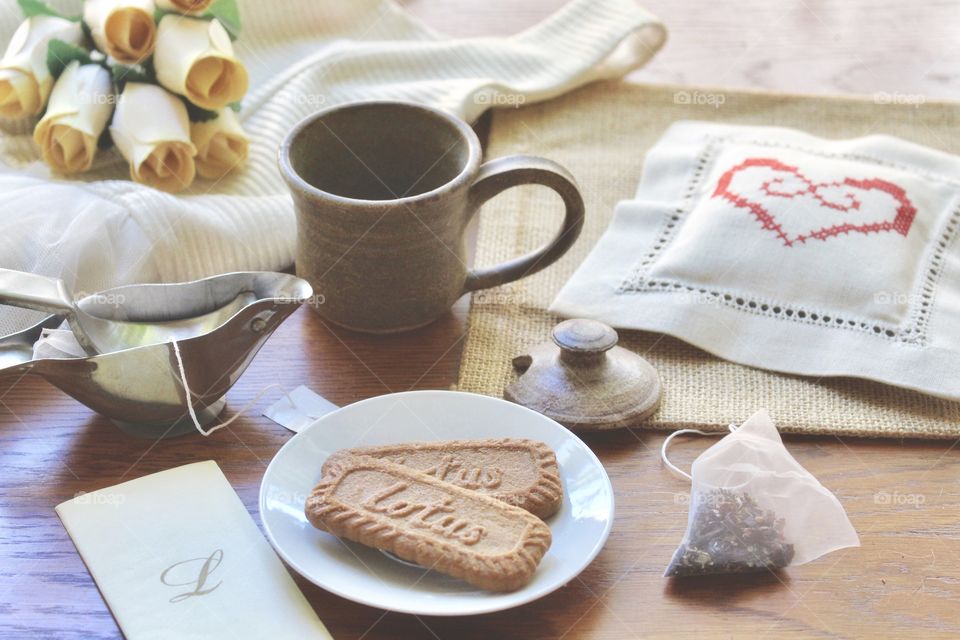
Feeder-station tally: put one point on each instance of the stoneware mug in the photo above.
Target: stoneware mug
(384, 192)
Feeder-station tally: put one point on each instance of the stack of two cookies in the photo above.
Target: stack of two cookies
(472, 509)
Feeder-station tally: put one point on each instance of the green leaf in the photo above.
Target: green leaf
(60, 54)
(227, 12)
(236, 106)
(105, 141)
(122, 74)
(198, 114)
(158, 14)
(31, 8)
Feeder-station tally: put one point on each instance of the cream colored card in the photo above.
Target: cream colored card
(176, 555)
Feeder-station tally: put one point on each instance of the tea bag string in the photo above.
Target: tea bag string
(666, 443)
(189, 396)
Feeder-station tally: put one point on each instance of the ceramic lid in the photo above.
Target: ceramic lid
(584, 381)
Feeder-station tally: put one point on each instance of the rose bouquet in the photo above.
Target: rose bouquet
(157, 79)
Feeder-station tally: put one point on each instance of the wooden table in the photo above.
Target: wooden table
(903, 497)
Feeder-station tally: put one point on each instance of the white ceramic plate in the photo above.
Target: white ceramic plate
(365, 575)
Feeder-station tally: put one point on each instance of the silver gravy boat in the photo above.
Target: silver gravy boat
(218, 323)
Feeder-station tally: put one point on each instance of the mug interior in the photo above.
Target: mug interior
(379, 151)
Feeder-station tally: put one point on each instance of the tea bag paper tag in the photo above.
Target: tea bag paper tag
(176, 555)
(307, 406)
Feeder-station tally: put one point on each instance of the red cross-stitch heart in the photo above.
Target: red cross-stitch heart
(899, 221)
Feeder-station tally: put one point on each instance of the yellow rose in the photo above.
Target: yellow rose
(152, 131)
(221, 145)
(80, 107)
(25, 81)
(123, 29)
(194, 58)
(185, 6)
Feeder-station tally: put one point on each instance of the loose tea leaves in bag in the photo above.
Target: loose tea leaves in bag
(731, 533)
(754, 508)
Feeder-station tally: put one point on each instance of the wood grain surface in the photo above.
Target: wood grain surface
(903, 497)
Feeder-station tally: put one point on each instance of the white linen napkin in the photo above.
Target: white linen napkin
(99, 230)
(176, 555)
(776, 249)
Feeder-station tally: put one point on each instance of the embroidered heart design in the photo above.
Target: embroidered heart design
(888, 207)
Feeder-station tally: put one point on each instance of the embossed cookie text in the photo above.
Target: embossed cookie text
(437, 516)
(451, 469)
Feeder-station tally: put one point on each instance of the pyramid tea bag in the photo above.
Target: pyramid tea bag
(754, 508)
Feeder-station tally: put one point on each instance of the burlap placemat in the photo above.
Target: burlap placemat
(601, 134)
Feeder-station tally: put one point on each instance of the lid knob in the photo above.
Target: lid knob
(584, 381)
(581, 339)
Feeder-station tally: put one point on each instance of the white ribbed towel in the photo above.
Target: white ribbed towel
(102, 230)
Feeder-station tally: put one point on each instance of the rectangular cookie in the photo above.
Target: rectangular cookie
(438, 525)
(517, 471)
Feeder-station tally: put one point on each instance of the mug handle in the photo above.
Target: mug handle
(501, 174)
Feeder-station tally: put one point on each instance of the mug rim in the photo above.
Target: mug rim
(295, 180)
